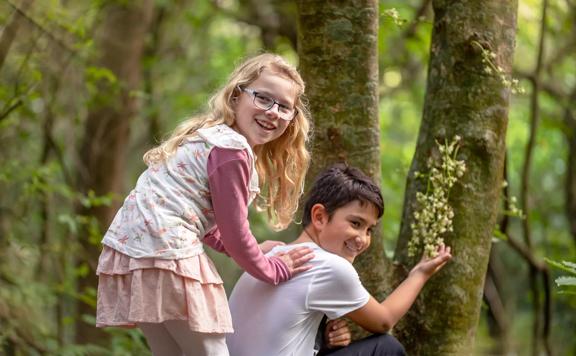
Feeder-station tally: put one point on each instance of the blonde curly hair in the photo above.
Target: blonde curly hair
(281, 164)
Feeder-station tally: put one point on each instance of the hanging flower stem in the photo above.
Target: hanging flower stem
(433, 216)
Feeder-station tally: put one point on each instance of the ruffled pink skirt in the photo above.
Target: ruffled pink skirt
(150, 290)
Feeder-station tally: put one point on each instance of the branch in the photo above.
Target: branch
(555, 91)
(10, 30)
(411, 29)
(545, 272)
(525, 253)
(527, 233)
(270, 25)
(35, 23)
(534, 119)
(13, 107)
(570, 133)
(497, 310)
(561, 54)
(7, 111)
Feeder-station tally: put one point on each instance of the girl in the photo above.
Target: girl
(153, 271)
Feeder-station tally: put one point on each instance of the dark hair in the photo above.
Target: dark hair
(339, 185)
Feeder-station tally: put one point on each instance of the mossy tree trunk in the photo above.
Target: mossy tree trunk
(120, 41)
(461, 99)
(337, 47)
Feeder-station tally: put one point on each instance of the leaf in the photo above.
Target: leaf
(570, 265)
(68, 221)
(499, 236)
(94, 73)
(566, 281)
(565, 265)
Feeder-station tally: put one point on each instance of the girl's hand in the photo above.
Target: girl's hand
(337, 333)
(428, 266)
(268, 245)
(296, 258)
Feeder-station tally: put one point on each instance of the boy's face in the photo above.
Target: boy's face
(348, 233)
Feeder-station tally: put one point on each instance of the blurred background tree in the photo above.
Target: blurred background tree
(55, 80)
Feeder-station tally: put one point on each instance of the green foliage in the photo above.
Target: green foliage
(566, 283)
(393, 15)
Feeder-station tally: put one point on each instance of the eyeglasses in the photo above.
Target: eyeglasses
(266, 103)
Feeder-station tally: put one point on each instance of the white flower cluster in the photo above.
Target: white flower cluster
(433, 215)
(490, 68)
(393, 14)
(511, 208)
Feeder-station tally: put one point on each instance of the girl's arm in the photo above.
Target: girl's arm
(228, 177)
(381, 317)
(212, 239)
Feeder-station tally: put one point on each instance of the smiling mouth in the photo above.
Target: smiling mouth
(265, 125)
(352, 246)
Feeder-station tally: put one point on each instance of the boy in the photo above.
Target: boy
(342, 208)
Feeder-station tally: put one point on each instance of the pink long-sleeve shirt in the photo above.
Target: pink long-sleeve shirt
(228, 178)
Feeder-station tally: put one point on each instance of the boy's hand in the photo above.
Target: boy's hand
(428, 266)
(296, 258)
(337, 333)
(268, 245)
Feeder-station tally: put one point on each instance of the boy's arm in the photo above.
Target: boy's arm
(381, 317)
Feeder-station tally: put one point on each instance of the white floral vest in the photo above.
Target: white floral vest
(170, 210)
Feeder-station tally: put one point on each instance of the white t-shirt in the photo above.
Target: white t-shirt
(283, 320)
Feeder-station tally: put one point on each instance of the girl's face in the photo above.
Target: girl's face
(261, 126)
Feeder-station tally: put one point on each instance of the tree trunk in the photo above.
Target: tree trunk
(120, 41)
(337, 48)
(461, 99)
(11, 29)
(496, 311)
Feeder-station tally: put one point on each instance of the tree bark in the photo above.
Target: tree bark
(461, 99)
(337, 48)
(120, 41)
